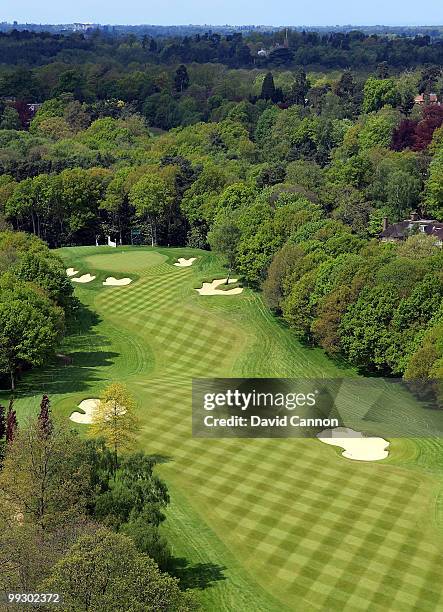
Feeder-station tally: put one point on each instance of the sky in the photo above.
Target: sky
(220, 12)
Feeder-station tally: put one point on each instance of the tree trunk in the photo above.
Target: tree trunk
(11, 372)
(229, 275)
(115, 460)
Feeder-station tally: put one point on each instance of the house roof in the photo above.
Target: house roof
(401, 230)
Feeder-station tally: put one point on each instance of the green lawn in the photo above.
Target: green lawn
(264, 525)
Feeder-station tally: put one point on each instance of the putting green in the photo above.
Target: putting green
(121, 260)
(266, 525)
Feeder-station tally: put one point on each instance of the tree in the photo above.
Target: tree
(55, 128)
(46, 478)
(283, 262)
(281, 56)
(27, 552)
(2, 422)
(404, 136)
(181, 79)
(236, 196)
(378, 128)
(3, 431)
(134, 492)
(364, 333)
(151, 196)
(434, 187)
(427, 360)
(300, 88)
(418, 246)
(148, 539)
(378, 93)
(403, 192)
(48, 272)
(76, 116)
(104, 571)
(431, 121)
(71, 81)
(10, 119)
(53, 107)
(268, 87)
(161, 110)
(353, 210)
(428, 79)
(30, 328)
(80, 193)
(114, 419)
(117, 205)
(11, 423)
(265, 124)
(330, 311)
(348, 93)
(297, 308)
(382, 71)
(223, 239)
(44, 417)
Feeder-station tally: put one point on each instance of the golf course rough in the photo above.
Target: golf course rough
(283, 524)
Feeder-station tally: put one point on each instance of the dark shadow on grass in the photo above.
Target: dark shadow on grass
(161, 458)
(82, 319)
(197, 576)
(56, 379)
(78, 362)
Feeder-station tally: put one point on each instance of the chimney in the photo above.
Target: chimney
(385, 223)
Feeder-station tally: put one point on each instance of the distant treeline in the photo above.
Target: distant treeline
(164, 31)
(324, 50)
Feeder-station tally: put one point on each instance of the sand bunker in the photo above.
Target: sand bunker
(86, 278)
(71, 271)
(89, 406)
(184, 263)
(211, 288)
(355, 444)
(116, 282)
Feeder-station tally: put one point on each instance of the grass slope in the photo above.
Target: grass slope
(264, 524)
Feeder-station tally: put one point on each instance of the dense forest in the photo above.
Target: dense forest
(289, 47)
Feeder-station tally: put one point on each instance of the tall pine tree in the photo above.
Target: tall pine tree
(268, 87)
(181, 79)
(299, 88)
